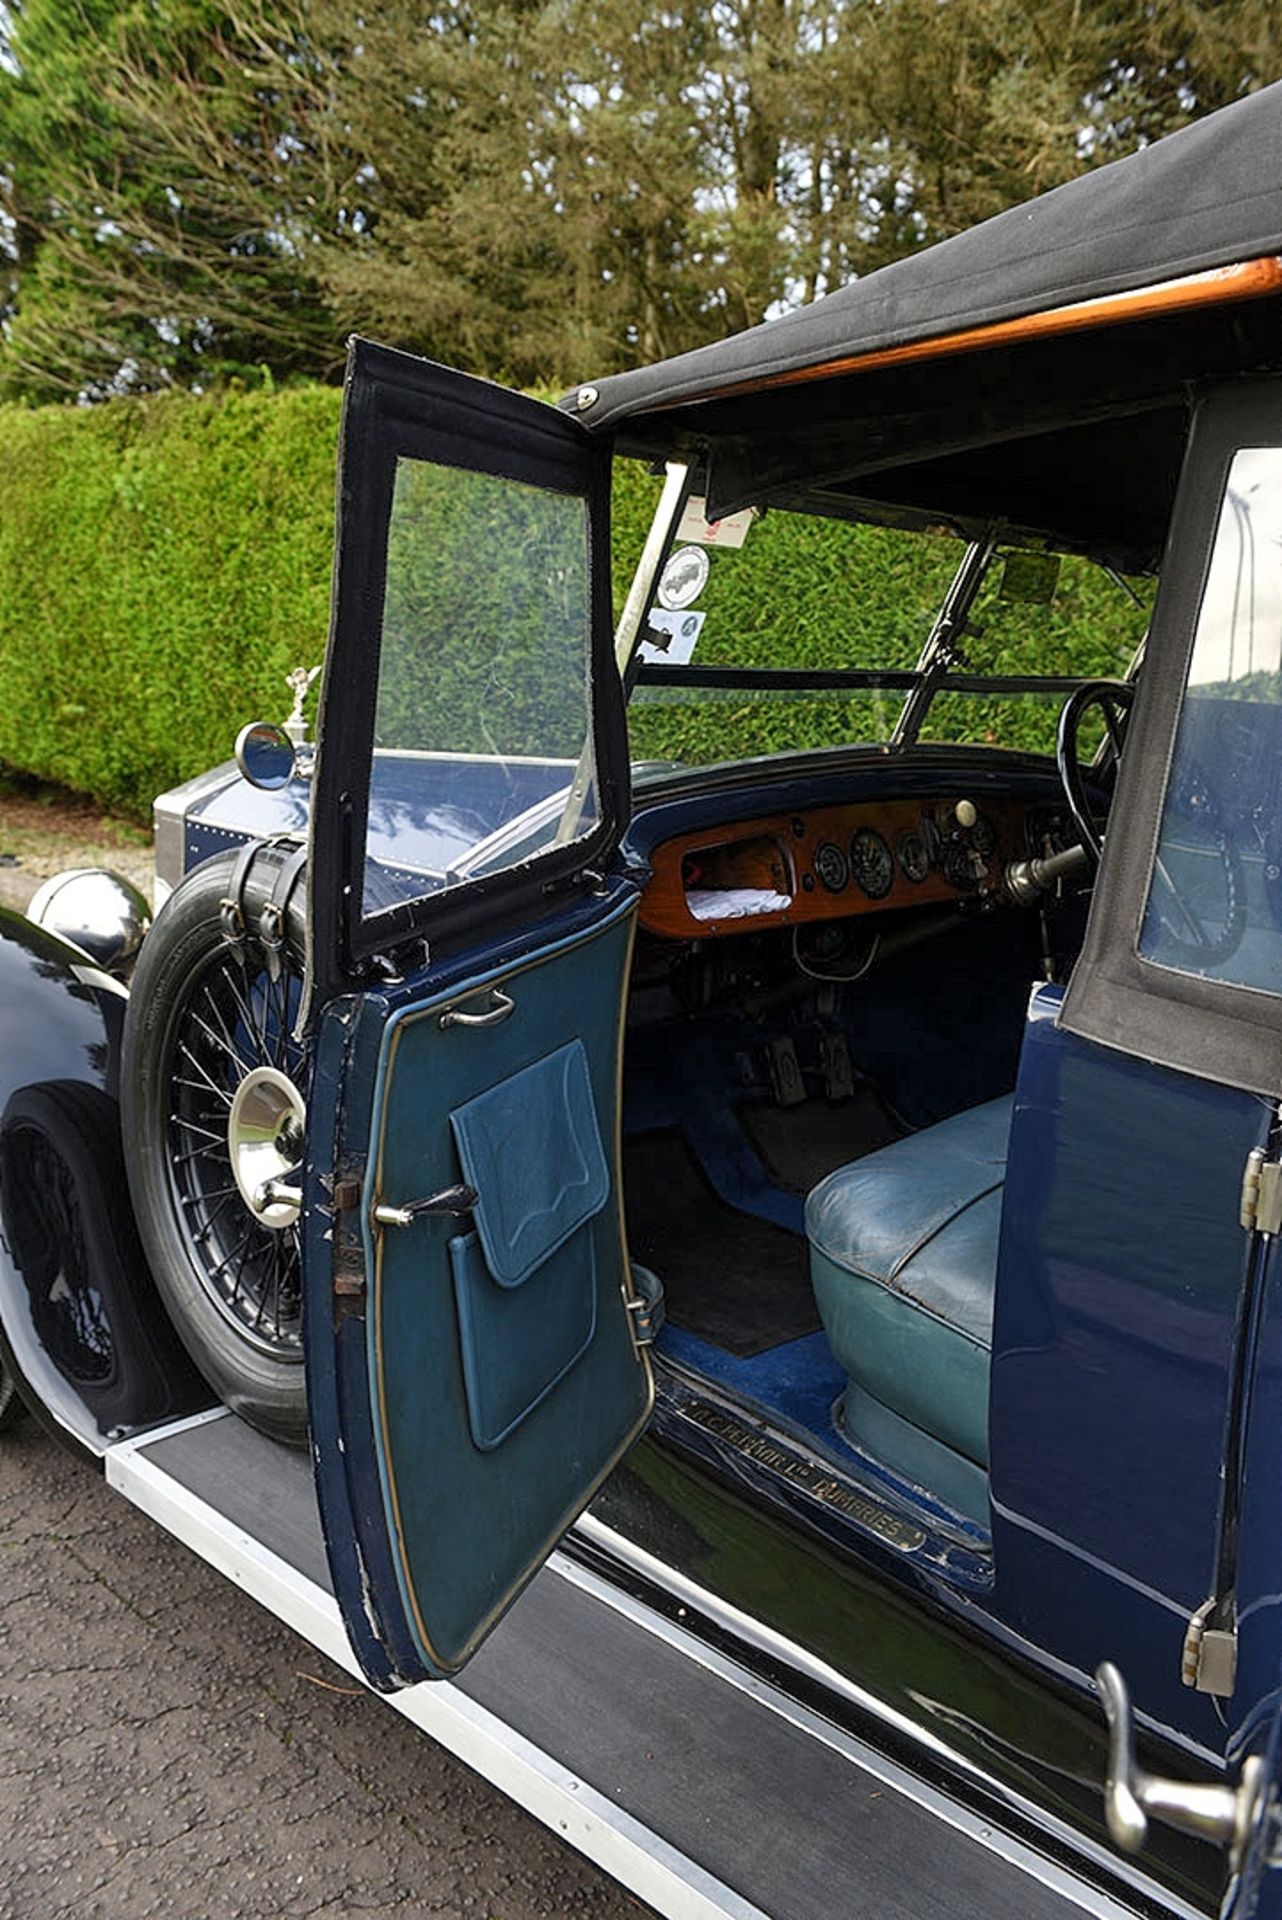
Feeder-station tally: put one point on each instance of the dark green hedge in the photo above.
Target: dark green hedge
(165, 562)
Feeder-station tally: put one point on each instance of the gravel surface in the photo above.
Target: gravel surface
(168, 1750)
(44, 831)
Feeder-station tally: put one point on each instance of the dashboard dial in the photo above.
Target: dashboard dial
(914, 860)
(983, 837)
(830, 865)
(962, 868)
(872, 863)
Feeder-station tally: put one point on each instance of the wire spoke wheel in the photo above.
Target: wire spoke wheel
(210, 1022)
(48, 1231)
(236, 1017)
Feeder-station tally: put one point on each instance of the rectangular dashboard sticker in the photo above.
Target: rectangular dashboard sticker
(731, 531)
(671, 638)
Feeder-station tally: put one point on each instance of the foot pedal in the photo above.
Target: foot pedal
(786, 1083)
(834, 1061)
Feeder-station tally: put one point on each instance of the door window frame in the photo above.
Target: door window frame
(1219, 1031)
(397, 406)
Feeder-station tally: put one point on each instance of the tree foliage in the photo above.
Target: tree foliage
(533, 189)
(145, 165)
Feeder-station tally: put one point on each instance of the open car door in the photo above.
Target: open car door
(475, 1348)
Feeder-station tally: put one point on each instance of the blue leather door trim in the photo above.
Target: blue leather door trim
(499, 1409)
(531, 1147)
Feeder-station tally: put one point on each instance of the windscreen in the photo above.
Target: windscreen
(811, 635)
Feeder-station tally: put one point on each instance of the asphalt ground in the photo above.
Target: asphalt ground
(168, 1749)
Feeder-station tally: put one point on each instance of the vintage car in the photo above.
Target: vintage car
(813, 1191)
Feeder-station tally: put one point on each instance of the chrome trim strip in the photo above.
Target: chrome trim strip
(168, 830)
(752, 1633)
(667, 515)
(595, 1826)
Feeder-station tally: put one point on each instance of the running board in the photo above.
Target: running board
(688, 1779)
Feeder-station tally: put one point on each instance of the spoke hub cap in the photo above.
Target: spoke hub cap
(265, 1131)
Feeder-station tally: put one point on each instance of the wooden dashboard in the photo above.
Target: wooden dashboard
(829, 862)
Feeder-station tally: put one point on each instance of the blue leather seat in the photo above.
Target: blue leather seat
(903, 1259)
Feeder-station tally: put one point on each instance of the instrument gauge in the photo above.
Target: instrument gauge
(830, 866)
(962, 867)
(983, 837)
(914, 860)
(872, 863)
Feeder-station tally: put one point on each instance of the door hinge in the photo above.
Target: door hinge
(1260, 1210)
(1209, 1662)
(645, 1303)
(347, 1287)
(346, 1196)
(643, 1327)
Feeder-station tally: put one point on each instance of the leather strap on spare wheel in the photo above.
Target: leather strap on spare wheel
(274, 917)
(231, 908)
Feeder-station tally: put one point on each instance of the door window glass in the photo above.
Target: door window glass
(1215, 894)
(482, 735)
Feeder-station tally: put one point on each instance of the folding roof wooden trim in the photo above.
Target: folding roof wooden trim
(1244, 280)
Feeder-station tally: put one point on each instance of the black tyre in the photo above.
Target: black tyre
(71, 1239)
(11, 1407)
(203, 1014)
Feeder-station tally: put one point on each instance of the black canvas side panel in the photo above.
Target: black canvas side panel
(1230, 1034)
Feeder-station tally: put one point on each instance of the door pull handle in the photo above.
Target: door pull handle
(1225, 1815)
(451, 1200)
(501, 1005)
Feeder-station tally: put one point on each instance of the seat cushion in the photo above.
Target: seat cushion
(903, 1259)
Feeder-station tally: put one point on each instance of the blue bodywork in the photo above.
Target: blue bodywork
(81, 1328)
(426, 810)
(1119, 1287)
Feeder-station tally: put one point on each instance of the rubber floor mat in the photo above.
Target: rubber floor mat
(736, 1281)
(799, 1145)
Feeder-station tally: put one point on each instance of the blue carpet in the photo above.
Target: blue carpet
(799, 1380)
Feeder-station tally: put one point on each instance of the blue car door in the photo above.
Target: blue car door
(1132, 1272)
(475, 1344)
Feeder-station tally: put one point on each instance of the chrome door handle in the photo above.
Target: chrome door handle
(1226, 1815)
(451, 1200)
(501, 1005)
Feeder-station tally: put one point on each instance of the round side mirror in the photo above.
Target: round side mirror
(265, 755)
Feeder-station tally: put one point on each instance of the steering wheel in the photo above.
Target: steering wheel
(1179, 931)
(1113, 698)
(1178, 928)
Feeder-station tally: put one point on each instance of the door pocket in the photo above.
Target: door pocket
(525, 1280)
(517, 1342)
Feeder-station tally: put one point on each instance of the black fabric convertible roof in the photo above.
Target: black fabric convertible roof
(968, 385)
(1206, 196)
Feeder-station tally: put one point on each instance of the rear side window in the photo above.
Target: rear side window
(1214, 903)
